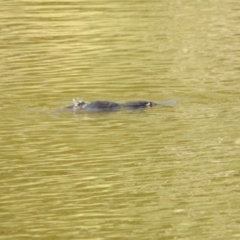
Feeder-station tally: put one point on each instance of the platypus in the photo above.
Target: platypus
(106, 106)
(95, 106)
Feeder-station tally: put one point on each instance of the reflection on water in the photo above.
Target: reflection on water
(170, 172)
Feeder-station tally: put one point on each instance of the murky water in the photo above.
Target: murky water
(163, 173)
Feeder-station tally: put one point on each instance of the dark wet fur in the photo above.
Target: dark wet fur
(138, 104)
(103, 106)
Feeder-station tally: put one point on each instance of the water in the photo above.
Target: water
(164, 173)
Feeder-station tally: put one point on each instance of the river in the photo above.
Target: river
(163, 173)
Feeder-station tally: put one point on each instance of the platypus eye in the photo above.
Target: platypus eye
(149, 104)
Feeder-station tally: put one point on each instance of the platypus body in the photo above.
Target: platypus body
(95, 106)
(106, 106)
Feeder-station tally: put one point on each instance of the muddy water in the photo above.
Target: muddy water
(163, 173)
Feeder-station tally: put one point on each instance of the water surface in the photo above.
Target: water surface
(164, 173)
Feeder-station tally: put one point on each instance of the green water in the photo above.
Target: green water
(164, 173)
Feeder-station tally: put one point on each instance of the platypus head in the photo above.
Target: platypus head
(151, 104)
